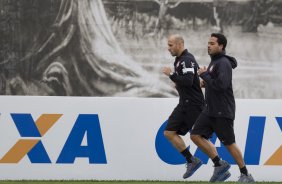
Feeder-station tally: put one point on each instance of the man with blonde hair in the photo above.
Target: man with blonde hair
(191, 99)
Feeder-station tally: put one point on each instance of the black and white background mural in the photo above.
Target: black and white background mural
(117, 48)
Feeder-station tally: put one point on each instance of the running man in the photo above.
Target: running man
(219, 113)
(191, 100)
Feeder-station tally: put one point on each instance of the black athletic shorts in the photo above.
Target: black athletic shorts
(183, 118)
(223, 127)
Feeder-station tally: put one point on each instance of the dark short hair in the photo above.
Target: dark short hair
(221, 39)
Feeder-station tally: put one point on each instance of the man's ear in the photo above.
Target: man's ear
(221, 46)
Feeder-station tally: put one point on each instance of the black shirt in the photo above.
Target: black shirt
(186, 79)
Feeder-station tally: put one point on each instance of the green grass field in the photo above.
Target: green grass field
(113, 182)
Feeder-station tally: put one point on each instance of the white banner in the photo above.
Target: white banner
(122, 139)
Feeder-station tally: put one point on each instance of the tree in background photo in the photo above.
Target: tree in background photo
(66, 47)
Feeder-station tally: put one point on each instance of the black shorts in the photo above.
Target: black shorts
(223, 128)
(183, 118)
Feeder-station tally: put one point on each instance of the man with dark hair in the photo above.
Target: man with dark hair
(219, 113)
(191, 100)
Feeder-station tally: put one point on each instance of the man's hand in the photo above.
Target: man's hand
(202, 70)
(167, 70)
(202, 83)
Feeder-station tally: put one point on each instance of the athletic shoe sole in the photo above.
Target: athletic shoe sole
(194, 170)
(222, 173)
(224, 177)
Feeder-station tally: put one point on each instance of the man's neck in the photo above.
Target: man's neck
(216, 55)
(181, 52)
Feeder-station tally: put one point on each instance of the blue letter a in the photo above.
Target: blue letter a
(89, 124)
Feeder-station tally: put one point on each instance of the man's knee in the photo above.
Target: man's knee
(195, 138)
(169, 134)
(230, 146)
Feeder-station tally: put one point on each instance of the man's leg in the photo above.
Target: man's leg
(201, 130)
(175, 140)
(237, 155)
(193, 163)
(205, 145)
(221, 167)
(224, 129)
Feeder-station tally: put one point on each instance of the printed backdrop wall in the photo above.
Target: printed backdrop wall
(122, 139)
(117, 48)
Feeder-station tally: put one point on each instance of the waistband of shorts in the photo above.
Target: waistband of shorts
(189, 102)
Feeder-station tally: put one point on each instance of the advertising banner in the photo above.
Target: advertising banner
(107, 138)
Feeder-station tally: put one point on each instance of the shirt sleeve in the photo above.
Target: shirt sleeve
(187, 74)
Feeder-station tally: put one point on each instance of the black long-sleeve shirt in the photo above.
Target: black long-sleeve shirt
(219, 95)
(186, 79)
